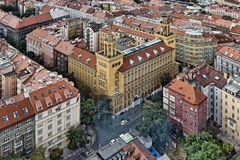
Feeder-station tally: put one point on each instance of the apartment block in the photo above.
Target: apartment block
(57, 108)
(125, 76)
(228, 60)
(194, 47)
(210, 82)
(186, 106)
(91, 33)
(230, 109)
(17, 126)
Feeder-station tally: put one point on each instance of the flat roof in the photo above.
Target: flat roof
(126, 137)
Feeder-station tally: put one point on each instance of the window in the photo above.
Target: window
(29, 121)
(68, 117)
(6, 148)
(59, 115)
(49, 126)
(59, 137)
(68, 111)
(68, 124)
(49, 134)
(59, 122)
(7, 131)
(49, 112)
(59, 129)
(29, 129)
(40, 139)
(49, 120)
(58, 108)
(40, 131)
(15, 114)
(6, 140)
(17, 134)
(39, 116)
(5, 119)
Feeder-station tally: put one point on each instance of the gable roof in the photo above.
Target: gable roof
(84, 57)
(144, 55)
(40, 99)
(229, 52)
(64, 47)
(22, 108)
(190, 93)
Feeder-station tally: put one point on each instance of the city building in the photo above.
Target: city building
(17, 29)
(124, 76)
(186, 106)
(233, 12)
(230, 109)
(17, 126)
(228, 60)
(210, 82)
(56, 109)
(61, 52)
(91, 33)
(74, 28)
(119, 31)
(194, 47)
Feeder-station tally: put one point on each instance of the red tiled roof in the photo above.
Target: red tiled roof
(64, 47)
(144, 55)
(39, 98)
(18, 108)
(84, 57)
(236, 29)
(229, 52)
(138, 151)
(211, 76)
(46, 8)
(190, 93)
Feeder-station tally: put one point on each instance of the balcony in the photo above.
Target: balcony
(232, 124)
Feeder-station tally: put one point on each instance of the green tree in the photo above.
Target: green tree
(227, 148)
(15, 157)
(154, 122)
(38, 154)
(29, 12)
(238, 157)
(56, 154)
(103, 107)
(87, 111)
(76, 136)
(202, 147)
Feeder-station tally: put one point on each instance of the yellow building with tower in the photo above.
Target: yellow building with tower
(126, 76)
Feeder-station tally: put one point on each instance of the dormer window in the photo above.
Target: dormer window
(131, 62)
(148, 55)
(15, 114)
(162, 49)
(25, 110)
(140, 58)
(5, 119)
(155, 52)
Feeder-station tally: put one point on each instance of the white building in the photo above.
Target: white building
(57, 108)
(91, 35)
(210, 82)
(228, 60)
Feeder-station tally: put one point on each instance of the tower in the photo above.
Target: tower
(109, 81)
(165, 33)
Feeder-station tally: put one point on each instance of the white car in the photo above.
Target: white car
(112, 141)
(123, 122)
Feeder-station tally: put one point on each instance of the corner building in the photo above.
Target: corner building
(124, 76)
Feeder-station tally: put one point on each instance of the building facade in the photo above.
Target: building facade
(228, 61)
(57, 109)
(17, 128)
(124, 76)
(186, 106)
(91, 33)
(194, 48)
(230, 109)
(211, 82)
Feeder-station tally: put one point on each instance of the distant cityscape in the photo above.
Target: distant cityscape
(120, 79)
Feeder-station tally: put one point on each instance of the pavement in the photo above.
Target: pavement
(104, 131)
(111, 128)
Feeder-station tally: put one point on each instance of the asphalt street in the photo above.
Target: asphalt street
(109, 129)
